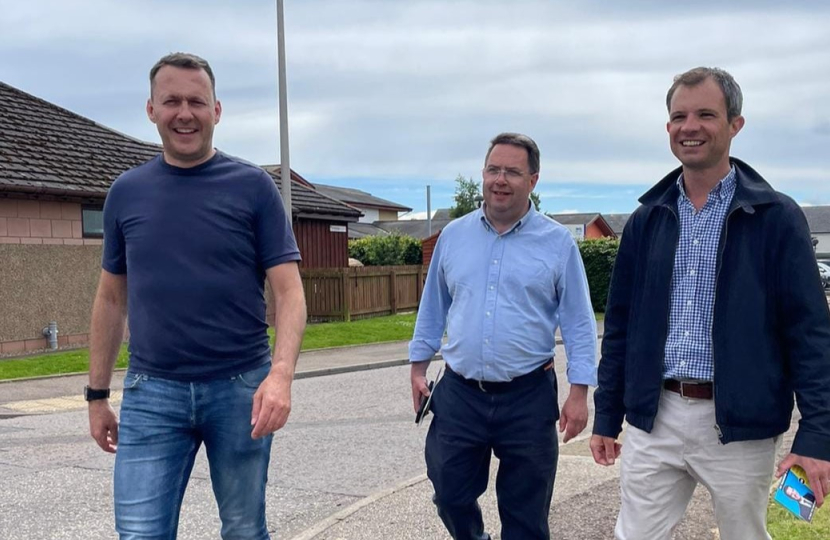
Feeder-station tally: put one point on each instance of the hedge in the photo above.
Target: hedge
(392, 250)
(598, 256)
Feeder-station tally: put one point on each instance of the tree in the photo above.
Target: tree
(466, 191)
(537, 202)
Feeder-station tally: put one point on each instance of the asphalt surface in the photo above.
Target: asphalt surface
(347, 466)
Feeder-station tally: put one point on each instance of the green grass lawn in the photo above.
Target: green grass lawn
(784, 526)
(317, 336)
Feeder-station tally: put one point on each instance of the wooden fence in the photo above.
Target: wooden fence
(343, 294)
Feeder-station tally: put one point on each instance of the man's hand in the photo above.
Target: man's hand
(418, 378)
(604, 449)
(272, 404)
(103, 425)
(818, 473)
(574, 415)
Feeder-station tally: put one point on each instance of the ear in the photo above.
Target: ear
(736, 124)
(217, 108)
(533, 179)
(668, 127)
(151, 113)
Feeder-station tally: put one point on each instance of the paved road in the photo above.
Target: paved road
(348, 466)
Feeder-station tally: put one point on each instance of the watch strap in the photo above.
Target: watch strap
(94, 394)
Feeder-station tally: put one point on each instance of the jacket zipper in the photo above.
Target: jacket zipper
(721, 249)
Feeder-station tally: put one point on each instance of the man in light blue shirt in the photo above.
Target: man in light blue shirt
(501, 280)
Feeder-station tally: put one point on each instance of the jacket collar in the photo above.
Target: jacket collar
(751, 189)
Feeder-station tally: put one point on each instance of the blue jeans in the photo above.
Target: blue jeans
(163, 424)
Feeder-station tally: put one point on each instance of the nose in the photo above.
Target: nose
(690, 123)
(184, 112)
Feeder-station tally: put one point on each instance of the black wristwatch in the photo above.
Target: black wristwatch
(93, 394)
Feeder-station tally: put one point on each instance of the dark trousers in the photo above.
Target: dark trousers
(518, 425)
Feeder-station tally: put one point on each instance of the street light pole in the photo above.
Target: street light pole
(285, 166)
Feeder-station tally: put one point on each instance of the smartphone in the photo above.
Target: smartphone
(423, 408)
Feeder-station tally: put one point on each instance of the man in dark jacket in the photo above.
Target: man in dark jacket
(715, 318)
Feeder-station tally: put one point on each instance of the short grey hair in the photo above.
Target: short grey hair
(522, 141)
(730, 88)
(184, 61)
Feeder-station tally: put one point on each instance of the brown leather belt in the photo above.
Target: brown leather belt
(687, 389)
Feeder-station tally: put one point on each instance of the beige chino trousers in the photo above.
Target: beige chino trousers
(660, 470)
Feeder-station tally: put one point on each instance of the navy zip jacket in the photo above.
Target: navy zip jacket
(770, 327)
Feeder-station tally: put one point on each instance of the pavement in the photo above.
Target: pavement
(394, 504)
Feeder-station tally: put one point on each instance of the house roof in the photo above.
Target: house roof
(574, 219)
(307, 202)
(818, 218)
(49, 151)
(361, 230)
(45, 149)
(361, 199)
(416, 228)
(616, 222)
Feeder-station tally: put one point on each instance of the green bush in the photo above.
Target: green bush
(598, 256)
(393, 250)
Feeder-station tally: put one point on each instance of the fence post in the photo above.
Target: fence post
(345, 294)
(393, 290)
(420, 285)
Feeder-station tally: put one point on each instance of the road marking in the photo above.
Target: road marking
(57, 404)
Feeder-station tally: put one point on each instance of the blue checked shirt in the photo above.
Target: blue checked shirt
(689, 344)
(500, 298)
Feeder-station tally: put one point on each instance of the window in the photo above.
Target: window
(92, 218)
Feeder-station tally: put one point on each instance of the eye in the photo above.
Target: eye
(513, 173)
(492, 171)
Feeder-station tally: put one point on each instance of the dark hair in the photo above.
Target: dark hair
(731, 90)
(522, 141)
(185, 61)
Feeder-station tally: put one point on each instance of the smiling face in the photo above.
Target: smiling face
(507, 191)
(700, 133)
(184, 109)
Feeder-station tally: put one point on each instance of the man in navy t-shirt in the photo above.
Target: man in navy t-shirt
(189, 239)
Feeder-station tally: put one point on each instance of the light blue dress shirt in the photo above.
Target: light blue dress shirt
(501, 297)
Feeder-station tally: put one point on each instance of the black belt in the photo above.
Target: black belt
(490, 387)
(689, 389)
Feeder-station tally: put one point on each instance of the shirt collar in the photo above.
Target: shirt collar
(721, 191)
(516, 226)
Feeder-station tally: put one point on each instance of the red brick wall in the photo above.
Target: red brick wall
(42, 222)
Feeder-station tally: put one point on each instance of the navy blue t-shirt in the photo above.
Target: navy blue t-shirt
(195, 244)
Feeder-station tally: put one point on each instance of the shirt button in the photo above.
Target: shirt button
(488, 313)
(683, 363)
(495, 261)
(487, 341)
(686, 333)
(696, 242)
(491, 287)
(689, 303)
(692, 272)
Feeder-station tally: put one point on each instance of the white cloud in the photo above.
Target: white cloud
(398, 95)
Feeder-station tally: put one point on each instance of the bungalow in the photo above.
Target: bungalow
(55, 170)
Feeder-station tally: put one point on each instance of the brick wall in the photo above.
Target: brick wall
(42, 222)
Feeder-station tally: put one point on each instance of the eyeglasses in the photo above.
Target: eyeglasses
(492, 173)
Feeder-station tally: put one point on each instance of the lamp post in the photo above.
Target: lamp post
(285, 166)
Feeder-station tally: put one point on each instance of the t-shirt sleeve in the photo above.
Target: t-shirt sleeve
(114, 258)
(274, 237)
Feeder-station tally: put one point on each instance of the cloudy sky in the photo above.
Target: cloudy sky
(391, 96)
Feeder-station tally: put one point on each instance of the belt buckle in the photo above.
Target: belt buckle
(481, 386)
(682, 392)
